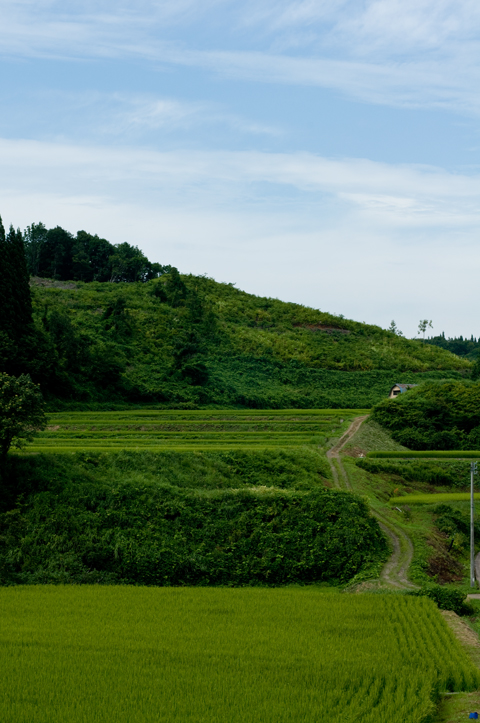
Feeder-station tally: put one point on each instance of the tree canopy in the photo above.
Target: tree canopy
(21, 411)
(57, 254)
(16, 323)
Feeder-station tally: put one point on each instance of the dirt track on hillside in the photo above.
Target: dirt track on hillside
(395, 570)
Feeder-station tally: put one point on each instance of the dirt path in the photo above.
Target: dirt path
(395, 570)
(333, 454)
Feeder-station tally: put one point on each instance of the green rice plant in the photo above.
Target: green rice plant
(171, 655)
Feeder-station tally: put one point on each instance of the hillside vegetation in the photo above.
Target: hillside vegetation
(192, 341)
(179, 518)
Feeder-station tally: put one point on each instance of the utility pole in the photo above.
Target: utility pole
(473, 471)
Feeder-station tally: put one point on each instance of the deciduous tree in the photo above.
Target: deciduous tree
(21, 412)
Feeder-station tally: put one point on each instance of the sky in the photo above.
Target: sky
(325, 152)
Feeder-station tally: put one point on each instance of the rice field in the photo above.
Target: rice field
(291, 655)
(190, 430)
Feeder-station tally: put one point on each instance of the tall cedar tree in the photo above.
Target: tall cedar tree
(16, 302)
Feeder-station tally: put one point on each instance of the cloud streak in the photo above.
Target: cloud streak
(421, 53)
(393, 194)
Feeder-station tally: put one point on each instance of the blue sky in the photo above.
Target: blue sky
(319, 151)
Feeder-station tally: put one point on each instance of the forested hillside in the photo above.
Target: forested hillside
(467, 348)
(141, 332)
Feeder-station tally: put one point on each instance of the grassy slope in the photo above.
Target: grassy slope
(182, 518)
(259, 352)
(389, 478)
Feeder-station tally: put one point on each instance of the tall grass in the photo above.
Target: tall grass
(258, 656)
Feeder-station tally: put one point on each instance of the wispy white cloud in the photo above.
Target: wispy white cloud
(129, 116)
(394, 194)
(133, 111)
(415, 53)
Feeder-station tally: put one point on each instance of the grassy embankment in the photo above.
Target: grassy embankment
(137, 654)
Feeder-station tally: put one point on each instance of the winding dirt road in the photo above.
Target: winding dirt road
(395, 570)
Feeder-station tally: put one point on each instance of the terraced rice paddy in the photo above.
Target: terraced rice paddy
(190, 430)
(166, 655)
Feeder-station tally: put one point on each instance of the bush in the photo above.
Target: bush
(447, 598)
(443, 416)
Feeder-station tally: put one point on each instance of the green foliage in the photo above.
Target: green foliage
(450, 520)
(15, 302)
(157, 336)
(476, 370)
(434, 416)
(468, 348)
(188, 340)
(57, 254)
(80, 529)
(222, 469)
(144, 655)
(447, 598)
(21, 411)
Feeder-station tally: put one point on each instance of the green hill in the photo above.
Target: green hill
(188, 340)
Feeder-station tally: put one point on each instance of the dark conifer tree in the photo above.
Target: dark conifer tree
(6, 343)
(21, 296)
(16, 324)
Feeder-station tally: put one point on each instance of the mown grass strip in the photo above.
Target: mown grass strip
(85, 434)
(172, 448)
(434, 498)
(458, 454)
(215, 413)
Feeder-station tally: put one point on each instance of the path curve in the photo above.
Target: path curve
(396, 568)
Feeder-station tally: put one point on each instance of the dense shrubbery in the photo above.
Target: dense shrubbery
(434, 416)
(80, 529)
(267, 383)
